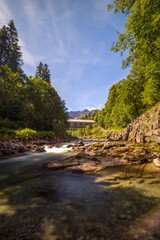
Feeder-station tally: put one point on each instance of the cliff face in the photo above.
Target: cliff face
(145, 128)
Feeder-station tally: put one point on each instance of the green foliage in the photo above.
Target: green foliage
(10, 51)
(90, 115)
(132, 96)
(11, 94)
(43, 109)
(29, 134)
(142, 39)
(34, 105)
(25, 135)
(46, 135)
(5, 123)
(6, 134)
(27, 102)
(124, 104)
(153, 146)
(43, 72)
(80, 132)
(97, 132)
(88, 132)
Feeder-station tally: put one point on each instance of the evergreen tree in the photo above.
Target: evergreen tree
(3, 45)
(39, 70)
(10, 51)
(43, 72)
(46, 76)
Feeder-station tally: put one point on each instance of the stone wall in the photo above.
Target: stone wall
(145, 128)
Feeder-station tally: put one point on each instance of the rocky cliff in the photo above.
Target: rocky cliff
(145, 128)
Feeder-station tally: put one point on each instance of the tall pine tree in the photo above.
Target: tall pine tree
(10, 51)
(3, 45)
(43, 72)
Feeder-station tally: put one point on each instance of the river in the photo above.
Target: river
(120, 203)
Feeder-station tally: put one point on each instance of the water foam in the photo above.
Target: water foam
(61, 149)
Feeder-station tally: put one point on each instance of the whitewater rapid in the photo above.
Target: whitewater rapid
(61, 149)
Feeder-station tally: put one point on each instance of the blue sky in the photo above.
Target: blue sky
(74, 38)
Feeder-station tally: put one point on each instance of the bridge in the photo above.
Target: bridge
(79, 123)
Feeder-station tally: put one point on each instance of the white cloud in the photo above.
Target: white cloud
(88, 108)
(60, 48)
(27, 57)
(99, 106)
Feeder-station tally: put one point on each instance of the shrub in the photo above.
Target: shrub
(46, 135)
(6, 134)
(5, 123)
(26, 134)
(98, 133)
(88, 131)
(80, 132)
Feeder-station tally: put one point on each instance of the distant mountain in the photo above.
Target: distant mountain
(90, 113)
(79, 114)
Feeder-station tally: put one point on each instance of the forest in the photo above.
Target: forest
(27, 102)
(131, 97)
(31, 102)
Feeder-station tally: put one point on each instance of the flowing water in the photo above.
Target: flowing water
(118, 203)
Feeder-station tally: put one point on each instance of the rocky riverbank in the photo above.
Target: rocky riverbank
(94, 157)
(143, 129)
(11, 147)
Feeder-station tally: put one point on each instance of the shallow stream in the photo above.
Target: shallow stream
(118, 203)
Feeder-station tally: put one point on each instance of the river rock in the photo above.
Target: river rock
(80, 155)
(11, 147)
(80, 143)
(50, 145)
(37, 149)
(115, 144)
(70, 145)
(157, 162)
(86, 163)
